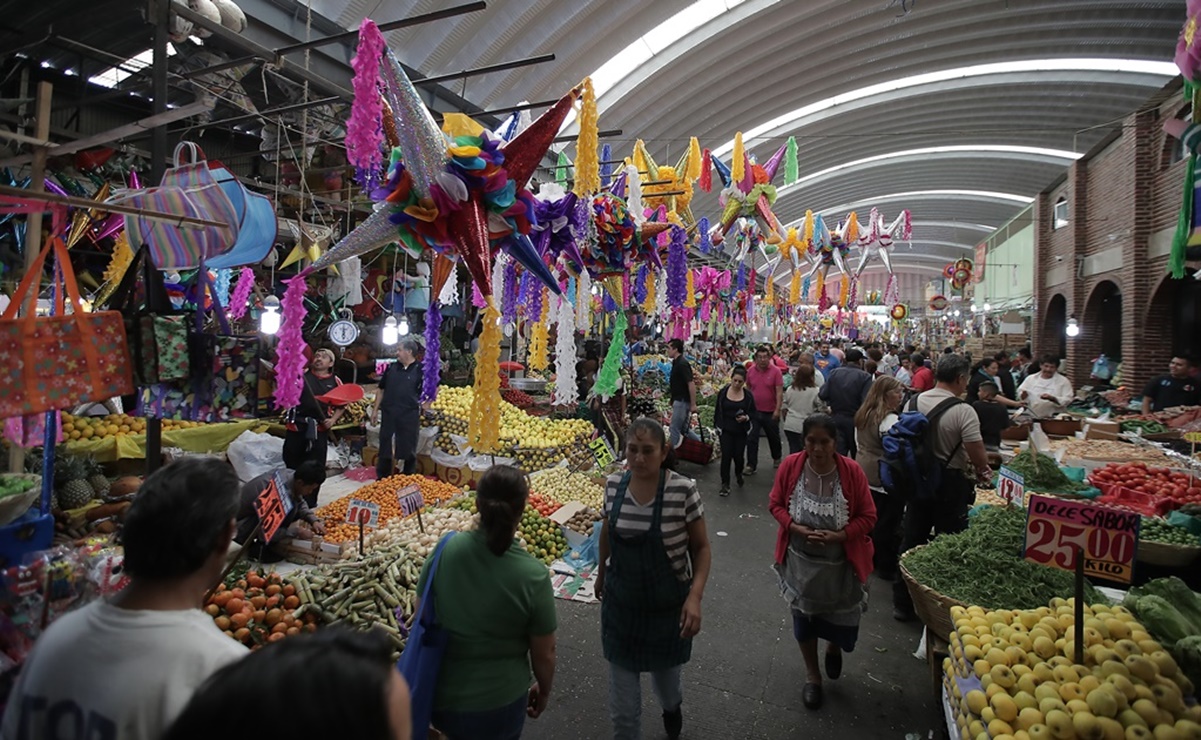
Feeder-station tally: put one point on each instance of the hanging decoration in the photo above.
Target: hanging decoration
(483, 428)
(900, 312)
(877, 238)
(583, 301)
(638, 292)
(239, 301)
(566, 392)
(667, 187)
(961, 274)
(221, 285)
(538, 359)
(606, 379)
(431, 364)
(364, 135)
(748, 192)
(118, 264)
(290, 352)
(794, 289)
(690, 290)
(587, 170)
(939, 303)
(844, 290)
(509, 293)
(677, 269)
(648, 302)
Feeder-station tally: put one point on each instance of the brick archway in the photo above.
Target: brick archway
(1100, 326)
(1172, 324)
(1055, 318)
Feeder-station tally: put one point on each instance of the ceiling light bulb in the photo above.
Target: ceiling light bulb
(269, 319)
(1073, 327)
(987, 308)
(390, 335)
(403, 327)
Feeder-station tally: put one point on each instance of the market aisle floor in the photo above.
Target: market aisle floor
(745, 677)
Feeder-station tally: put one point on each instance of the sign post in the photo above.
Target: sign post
(1083, 539)
(1011, 487)
(364, 514)
(411, 502)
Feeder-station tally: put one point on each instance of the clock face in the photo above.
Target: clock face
(343, 333)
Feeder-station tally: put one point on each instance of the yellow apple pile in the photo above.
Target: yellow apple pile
(1011, 676)
(517, 428)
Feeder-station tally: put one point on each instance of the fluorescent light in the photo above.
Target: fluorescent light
(1119, 66)
(916, 195)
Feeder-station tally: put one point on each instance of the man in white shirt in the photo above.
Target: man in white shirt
(122, 669)
(1047, 392)
(903, 375)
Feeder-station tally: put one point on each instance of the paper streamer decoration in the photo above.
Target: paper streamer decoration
(566, 393)
(538, 355)
(221, 285)
(648, 302)
(606, 380)
(583, 301)
(587, 165)
(239, 301)
(290, 365)
(483, 427)
(431, 364)
(118, 264)
(364, 136)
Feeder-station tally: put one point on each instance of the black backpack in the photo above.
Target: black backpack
(909, 467)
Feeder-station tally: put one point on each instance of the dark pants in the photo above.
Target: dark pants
(946, 513)
(504, 723)
(397, 442)
(796, 442)
(297, 449)
(761, 420)
(733, 447)
(890, 513)
(846, 435)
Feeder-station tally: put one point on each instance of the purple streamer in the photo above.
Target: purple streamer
(432, 364)
(677, 268)
(535, 303)
(639, 290)
(509, 293)
(740, 283)
(609, 305)
(523, 295)
(606, 168)
(702, 231)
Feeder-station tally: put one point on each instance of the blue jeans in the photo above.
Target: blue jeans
(504, 723)
(625, 698)
(681, 415)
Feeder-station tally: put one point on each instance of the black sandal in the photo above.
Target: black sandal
(833, 664)
(812, 696)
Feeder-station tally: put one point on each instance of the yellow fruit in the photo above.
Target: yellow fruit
(1118, 629)
(1076, 706)
(1004, 707)
(1167, 697)
(996, 656)
(1146, 709)
(1114, 668)
(1140, 666)
(1138, 733)
(1087, 727)
(1040, 732)
(1025, 700)
(1066, 674)
(1112, 729)
(1046, 706)
(999, 727)
(1164, 662)
(1167, 732)
(1029, 717)
(981, 668)
(1089, 682)
(1027, 683)
(976, 701)
(1131, 718)
(1071, 692)
(1060, 724)
(1189, 729)
(1046, 691)
(1126, 648)
(1002, 675)
(1102, 703)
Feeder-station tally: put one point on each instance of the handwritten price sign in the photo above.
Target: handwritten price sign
(602, 451)
(411, 500)
(1059, 531)
(272, 507)
(1011, 487)
(363, 512)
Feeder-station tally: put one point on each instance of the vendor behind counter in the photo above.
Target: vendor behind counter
(298, 484)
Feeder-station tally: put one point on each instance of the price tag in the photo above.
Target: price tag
(411, 500)
(1058, 530)
(1011, 487)
(1193, 437)
(272, 507)
(363, 512)
(602, 451)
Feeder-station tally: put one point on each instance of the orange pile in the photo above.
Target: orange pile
(258, 610)
(382, 492)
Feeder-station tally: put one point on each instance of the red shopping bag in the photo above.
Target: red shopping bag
(59, 361)
(695, 451)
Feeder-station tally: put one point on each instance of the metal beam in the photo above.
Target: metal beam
(239, 41)
(416, 20)
(487, 69)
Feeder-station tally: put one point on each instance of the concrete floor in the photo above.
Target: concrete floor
(746, 675)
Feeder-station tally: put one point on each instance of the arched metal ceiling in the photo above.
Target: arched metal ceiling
(753, 61)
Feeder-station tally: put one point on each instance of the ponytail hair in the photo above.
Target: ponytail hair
(500, 498)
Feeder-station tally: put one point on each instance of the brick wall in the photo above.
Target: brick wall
(1119, 195)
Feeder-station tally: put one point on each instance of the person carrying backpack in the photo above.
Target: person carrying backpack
(933, 456)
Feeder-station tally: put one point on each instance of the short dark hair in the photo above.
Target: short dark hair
(677, 344)
(988, 386)
(500, 497)
(853, 355)
(917, 359)
(738, 370)
(179, 518)
(1049, 359)
(824, 421)
(765, 349)
(311, 472)
(1025, 352)
(951, 368)
(337, 683)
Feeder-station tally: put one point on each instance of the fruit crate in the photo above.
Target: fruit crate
(315, 551)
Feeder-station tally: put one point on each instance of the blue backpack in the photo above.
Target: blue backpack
(909, 467)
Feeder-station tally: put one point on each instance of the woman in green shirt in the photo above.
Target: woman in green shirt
(495, 601)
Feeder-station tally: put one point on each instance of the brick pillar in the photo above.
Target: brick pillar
(1078, 363)
(1145, 348)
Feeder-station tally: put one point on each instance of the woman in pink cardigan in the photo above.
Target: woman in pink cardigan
(824, 550)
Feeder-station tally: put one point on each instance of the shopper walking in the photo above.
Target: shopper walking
(824, 360)
(495, 601)
(800, 400)
(823, 551)
(733, 418)
(131, 663)
(767, 388)
(307, 434)
(654, 563)
(683, 393)
(844, 392)
(875, 417)
(340, 683)
(399, 399)
(955, 439)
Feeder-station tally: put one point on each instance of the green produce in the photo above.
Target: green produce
(12, 486)
(984, 566)
(1187, 653)
(1042, 473)
(1162, 619)
(541, 537)
(1143, 426)
(1177, 593)
(1157, 530)
(1171, 612)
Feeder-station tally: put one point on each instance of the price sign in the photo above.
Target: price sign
(1193, 437)
(602, 451)
(1059, 531)
(1011, 487)
(272, 507)
(363, 512)
(411, 500)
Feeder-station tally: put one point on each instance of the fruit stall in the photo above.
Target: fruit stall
(120, 437)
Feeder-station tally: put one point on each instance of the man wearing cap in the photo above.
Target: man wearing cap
(844, 391)
(399, 396)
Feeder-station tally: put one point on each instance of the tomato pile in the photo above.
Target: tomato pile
(1157, 482)
(543, 505)
(520, 399)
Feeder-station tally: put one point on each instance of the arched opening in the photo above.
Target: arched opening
(1177, 305)
(1054, 339)
(1103, 321)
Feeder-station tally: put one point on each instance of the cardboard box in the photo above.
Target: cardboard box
(370, 455)
(1101, 429)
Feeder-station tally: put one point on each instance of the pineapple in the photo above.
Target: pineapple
(96, 477)
(70, 477)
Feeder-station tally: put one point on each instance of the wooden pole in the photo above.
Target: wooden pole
(33, 223)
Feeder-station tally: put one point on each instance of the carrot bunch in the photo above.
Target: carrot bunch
(258, 610)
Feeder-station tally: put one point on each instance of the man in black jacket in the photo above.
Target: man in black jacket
(844, 392)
